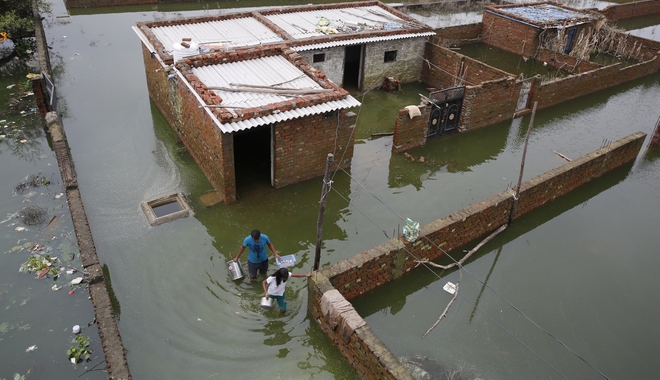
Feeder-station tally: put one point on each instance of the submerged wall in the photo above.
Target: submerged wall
(637, 9)
(374, 267)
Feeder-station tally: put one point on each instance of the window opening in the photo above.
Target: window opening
(390, 56)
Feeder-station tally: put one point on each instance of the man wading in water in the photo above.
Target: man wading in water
(257, 256)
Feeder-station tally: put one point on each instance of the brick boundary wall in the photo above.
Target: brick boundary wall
(113, 348)
(458, 35)
(565, 61)
(625, 11)
(410, 132)
(377, 266)
(574, 86)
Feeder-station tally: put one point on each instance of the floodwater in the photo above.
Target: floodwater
(581, 267)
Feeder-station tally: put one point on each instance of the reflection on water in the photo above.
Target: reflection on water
(181, 315)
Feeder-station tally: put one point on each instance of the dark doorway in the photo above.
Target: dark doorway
(353, 67)
(252, 159)
(446, 111)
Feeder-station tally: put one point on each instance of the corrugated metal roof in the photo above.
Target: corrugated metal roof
(245, 31)
(349, 102)
(544, 13)
(358, 41)
(339, 20)
(275, 72)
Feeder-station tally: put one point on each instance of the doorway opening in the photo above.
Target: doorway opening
(353, 67)
(252, 159)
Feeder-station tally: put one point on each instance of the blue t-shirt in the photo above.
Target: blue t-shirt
(256, 250)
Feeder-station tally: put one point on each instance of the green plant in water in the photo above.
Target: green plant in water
(81, 352)
(35, 264)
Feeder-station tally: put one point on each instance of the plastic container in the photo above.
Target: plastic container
(235, 270)
(266, 302)
(180, 52)
(286, 261)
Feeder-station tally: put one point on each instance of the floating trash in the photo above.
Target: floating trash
(450, 288)
(76, 329)
(31, 348)
(76, 281)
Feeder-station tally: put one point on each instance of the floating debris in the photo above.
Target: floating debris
(33, 215)
(76, 281)
(31, 348)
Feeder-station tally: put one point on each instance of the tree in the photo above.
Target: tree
(16, 23)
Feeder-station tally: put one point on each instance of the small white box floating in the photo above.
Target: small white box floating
(450, 288)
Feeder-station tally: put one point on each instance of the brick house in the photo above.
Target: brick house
(524, 28)
(248, 95)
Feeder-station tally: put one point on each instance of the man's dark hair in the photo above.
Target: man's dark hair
(255, 234)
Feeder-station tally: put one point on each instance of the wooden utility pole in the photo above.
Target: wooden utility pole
(522, 163)
(319, 224)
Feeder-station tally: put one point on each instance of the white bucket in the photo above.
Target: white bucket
(266, 302)
(180, 52)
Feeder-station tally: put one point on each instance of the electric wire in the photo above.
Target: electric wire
(482, 282)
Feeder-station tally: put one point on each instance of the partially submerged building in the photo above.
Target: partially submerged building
(260, 93)
(471, 94)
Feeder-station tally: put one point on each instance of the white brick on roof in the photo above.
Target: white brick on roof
(274, 71)
(245, 31)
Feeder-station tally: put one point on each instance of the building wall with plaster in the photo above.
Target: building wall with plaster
(407, 66)
(332, 66)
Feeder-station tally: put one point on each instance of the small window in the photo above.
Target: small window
(390, 56)
(320, 57)
(330, 115)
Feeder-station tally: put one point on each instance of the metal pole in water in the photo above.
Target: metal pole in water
(319, 224)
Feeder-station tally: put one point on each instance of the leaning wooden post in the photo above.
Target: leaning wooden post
(319, 224)
(516, 193)
(655, 139)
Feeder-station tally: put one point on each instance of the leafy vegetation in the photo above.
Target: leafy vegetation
(16, 23)
(36, 264)
(81, 352)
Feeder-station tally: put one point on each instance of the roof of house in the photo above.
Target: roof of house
(329, 21)
(249, 85)
(547, 13)
(238, 32)
(319, 26)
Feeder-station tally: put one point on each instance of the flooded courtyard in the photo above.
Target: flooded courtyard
(581, 267)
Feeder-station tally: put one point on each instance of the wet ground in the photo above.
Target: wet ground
(581, 267)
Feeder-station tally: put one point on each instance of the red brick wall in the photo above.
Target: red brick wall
(376, 266)
(630, 10)
(489, 103)
(563, 89)
(566, 62)
(510, 35)
(302, 146)
(444, 65)
(368, 355)
(371, 268)
(410, 133)
(457, 35)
